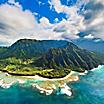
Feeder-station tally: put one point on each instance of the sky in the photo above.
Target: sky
(51, 20)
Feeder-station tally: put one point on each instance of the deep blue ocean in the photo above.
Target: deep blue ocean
(88, 90)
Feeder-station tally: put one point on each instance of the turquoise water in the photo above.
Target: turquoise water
(88, 90)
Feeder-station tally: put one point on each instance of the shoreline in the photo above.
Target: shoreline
(36, 77)
(72, 76)
(48, 86)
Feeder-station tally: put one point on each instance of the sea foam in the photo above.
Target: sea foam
(99, 67)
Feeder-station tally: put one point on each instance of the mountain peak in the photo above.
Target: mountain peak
(28, 48)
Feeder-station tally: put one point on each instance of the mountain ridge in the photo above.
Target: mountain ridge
(24, 47)
(48, 58)
(70, 56)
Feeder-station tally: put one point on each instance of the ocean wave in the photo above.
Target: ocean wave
(3, 84)
(64, 89)
(98, 68)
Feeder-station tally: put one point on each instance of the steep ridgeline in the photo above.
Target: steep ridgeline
(29, 48)
(71, 57)
(48, 54)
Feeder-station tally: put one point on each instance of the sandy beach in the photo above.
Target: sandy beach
(71, 76)
(47, 86)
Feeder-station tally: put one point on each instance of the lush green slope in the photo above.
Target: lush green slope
(28, 48)
(71, 57)
(49, 58)
(20, 67)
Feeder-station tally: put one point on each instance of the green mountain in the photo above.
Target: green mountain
(70, 57)
(48, 58)
(28, 48)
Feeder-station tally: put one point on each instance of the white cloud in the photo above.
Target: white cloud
(44, 22)
(11, 1)
(69, 36)
(75, 22)
(90, 36)
(95, 22)
(14, 21)
(97, 40)
(16, 24)
(94, 25)
(56, 20)
(59, 8)
(68, 30)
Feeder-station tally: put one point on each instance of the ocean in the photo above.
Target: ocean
(88, 90)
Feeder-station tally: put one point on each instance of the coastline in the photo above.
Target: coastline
(47, 86)
(72, 76)
(37, 77)
(59, 85)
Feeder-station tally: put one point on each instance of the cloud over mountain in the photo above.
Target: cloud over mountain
(14, 22)
(83, 16)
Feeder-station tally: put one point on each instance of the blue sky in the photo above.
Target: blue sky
(42, 7)
(51, 19)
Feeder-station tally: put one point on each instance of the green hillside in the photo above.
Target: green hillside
(47, 58)
(70, 57)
